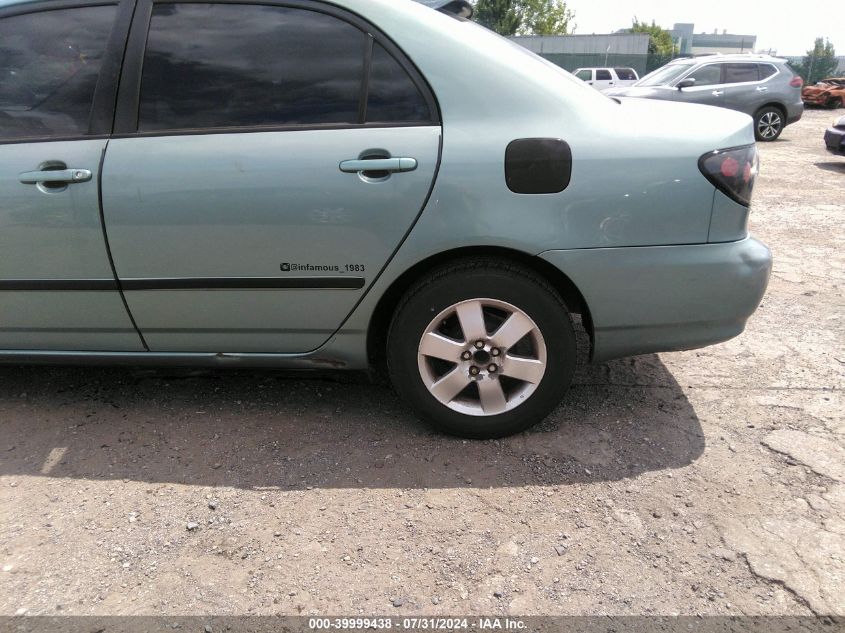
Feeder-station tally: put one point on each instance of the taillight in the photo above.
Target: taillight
(732, 171)
(796, 82)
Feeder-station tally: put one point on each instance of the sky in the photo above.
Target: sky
(788, 28)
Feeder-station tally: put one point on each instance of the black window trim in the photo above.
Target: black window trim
(103, 102)
(128, 96)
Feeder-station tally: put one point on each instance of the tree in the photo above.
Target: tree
(502, 16)
(660, 41)
(525, 17)
(547, 17)
(818, 63)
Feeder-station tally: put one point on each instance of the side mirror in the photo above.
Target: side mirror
(689, 82)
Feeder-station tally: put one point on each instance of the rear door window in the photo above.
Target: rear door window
(603, 75)
(741, 73)
(227, 65)
(49, 65)
(708, 75)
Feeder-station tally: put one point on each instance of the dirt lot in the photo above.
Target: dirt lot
(703, 482)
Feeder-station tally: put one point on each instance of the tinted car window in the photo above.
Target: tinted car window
(49, 64)
(220, 65)
(626, 74)
(706, 75)
(603, 75)
(392, 94)
(766, 70)
(739, 73)
(584, 75)
(664, 75)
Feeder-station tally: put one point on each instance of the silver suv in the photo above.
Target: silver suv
(762, 86)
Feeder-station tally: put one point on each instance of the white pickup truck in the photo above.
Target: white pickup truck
(602, 78)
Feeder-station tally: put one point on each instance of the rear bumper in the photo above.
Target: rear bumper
(667, 298)
(794, 112)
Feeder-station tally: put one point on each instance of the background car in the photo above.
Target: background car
(602, 78)
(828, 93)
(761, 86)
(834, 137)
(318, 185)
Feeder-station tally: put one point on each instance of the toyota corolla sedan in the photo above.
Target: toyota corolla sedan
(354, 184)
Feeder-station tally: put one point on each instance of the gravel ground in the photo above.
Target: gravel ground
(702, 482)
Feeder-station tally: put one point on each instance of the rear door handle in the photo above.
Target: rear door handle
(762, 88)
(379, 164)
(718, 93)
(55, 176)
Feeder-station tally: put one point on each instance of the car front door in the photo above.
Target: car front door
(603, 79)
(58, 79)
(585, 75)
(268, 161)
(708, 88)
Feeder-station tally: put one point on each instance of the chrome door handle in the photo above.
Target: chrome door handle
(718, 93)
(379, 164)
(762, 88)
(55, 176)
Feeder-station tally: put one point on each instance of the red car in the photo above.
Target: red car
(829, 93)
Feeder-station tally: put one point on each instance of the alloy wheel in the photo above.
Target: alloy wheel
(482, 357)
(769, 124)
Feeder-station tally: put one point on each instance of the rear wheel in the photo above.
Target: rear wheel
(768, 123)
(482, 348)
(834, 102)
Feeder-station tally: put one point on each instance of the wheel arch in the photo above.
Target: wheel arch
(772, 104)
(389, 301)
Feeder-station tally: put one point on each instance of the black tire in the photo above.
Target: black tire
(834, 103)
(491, 279)
(765, 129)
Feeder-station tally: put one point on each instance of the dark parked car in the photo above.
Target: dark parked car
(762, 86)
(834, 137)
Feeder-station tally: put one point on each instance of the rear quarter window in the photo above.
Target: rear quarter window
(766, 70)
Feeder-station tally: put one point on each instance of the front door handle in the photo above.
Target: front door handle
(718, 93)
(55, 176)
(378, 164)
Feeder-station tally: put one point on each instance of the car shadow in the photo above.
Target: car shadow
(834, 166)
(258, 430)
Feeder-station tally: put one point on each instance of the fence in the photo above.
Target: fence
(641, 63)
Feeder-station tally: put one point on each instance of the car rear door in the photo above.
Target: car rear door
(58, 77)
(743, 89)
(267, 162)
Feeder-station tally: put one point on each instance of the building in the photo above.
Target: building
(690, 43)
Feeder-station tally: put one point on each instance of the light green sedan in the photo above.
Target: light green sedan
(354, 184)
